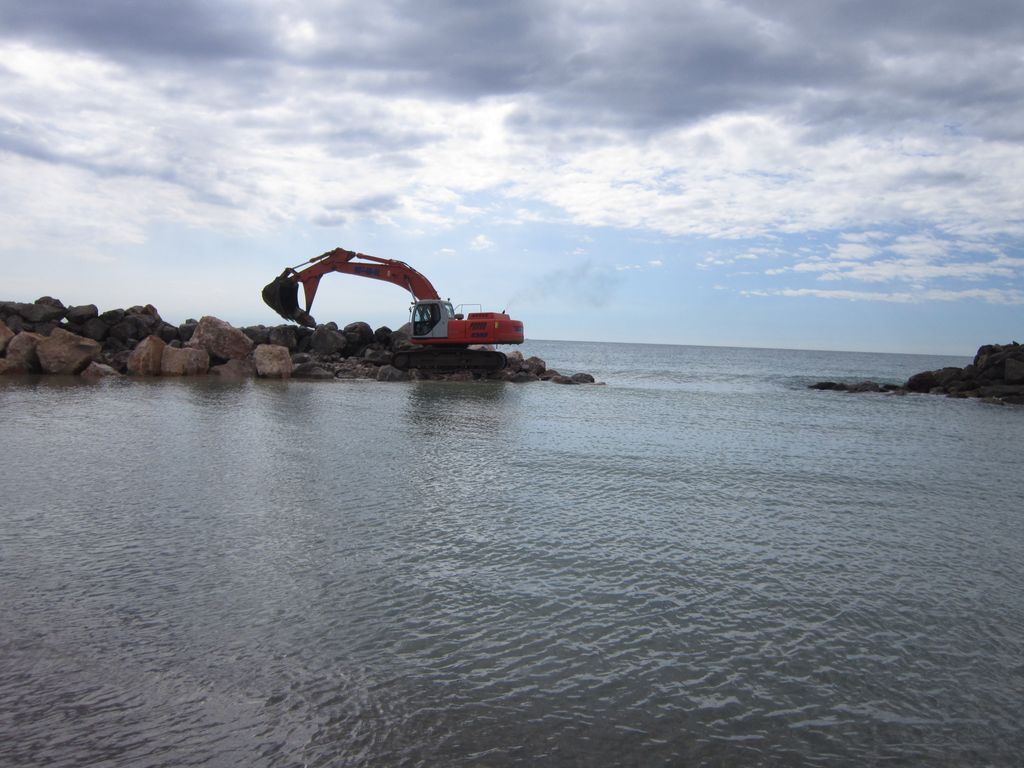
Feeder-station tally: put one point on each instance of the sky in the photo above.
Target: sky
(844, 175)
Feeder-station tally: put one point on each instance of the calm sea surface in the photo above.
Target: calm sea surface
(701, 563)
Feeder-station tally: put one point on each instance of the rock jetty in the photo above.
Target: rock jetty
(46, 336)
(996, 375)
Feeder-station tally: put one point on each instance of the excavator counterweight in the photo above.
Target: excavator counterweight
(445, 337)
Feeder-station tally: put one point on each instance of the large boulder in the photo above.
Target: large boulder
(925, 381)
(327, 341)
(82, 313)
(272, 361)
(21, 353)
(44, 310)
(95, 329)
(6, 334)
(283, 336)
(63, 352)
(184, 361)
(220, 339)
(146, 358)
(358, 334)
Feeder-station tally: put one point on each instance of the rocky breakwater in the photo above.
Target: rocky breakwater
(995, 375)
(46, 336)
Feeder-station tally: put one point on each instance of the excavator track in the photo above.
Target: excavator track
(447, 360)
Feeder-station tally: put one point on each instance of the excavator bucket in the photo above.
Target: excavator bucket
(282, 295)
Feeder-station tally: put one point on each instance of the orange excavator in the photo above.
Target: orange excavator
(444, 335)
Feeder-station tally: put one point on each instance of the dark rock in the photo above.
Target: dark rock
(15, 323)
(522, 377)
(81, 313)
(1002, 390)
(382, 336)
(187, 329)
(259, 334)
(49, 301)
(925, 381)
(112, 316)
(283, 336)
(1013, 371)
(559, 379)
(40, 312)
(378, 356)
(167, 332)
(131, 327)
(326, 342)
(359, 334)
(828, 385)
(390, 373)
(535, 365)
(583, 378)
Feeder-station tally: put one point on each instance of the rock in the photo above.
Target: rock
(925, 381)
(828, 385)
(6, 334)
(167, 332)
(81, 313)
(326, 342)
(259, 334)
(112, 316)
(21, 353)
(95, 329)
(311, 371)
(184, 361)
(390, 373)
(1013, 372)
(515, 361)
(358, 334)
(96, 371)
(522, 377)
(145, 359)
(865, 386)
(535, 365)
(283, 336)
(583, 378)
(65, 353)
(234, 369)
(1002, 390)
(44, 312)
(378, 356)
(559, 379)
(186, 329)
(382, 336)
(272, 361)
(131, 327)
(15, 323)
(220, 339)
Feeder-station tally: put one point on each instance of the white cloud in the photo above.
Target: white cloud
(481, 243)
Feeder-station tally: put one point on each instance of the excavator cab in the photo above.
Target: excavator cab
(430, 319)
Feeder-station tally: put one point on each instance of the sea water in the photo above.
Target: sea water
(701, 562)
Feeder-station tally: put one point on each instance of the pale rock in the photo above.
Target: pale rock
(272, 361)
(21, 353)
(63, 352)
(220, 339)
(146, 358)
(184, 361)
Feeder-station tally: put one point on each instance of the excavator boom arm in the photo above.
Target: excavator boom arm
(281, 294)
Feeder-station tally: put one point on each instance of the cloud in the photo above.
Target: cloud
(481, 243)
(734, 122)
(987, 296)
